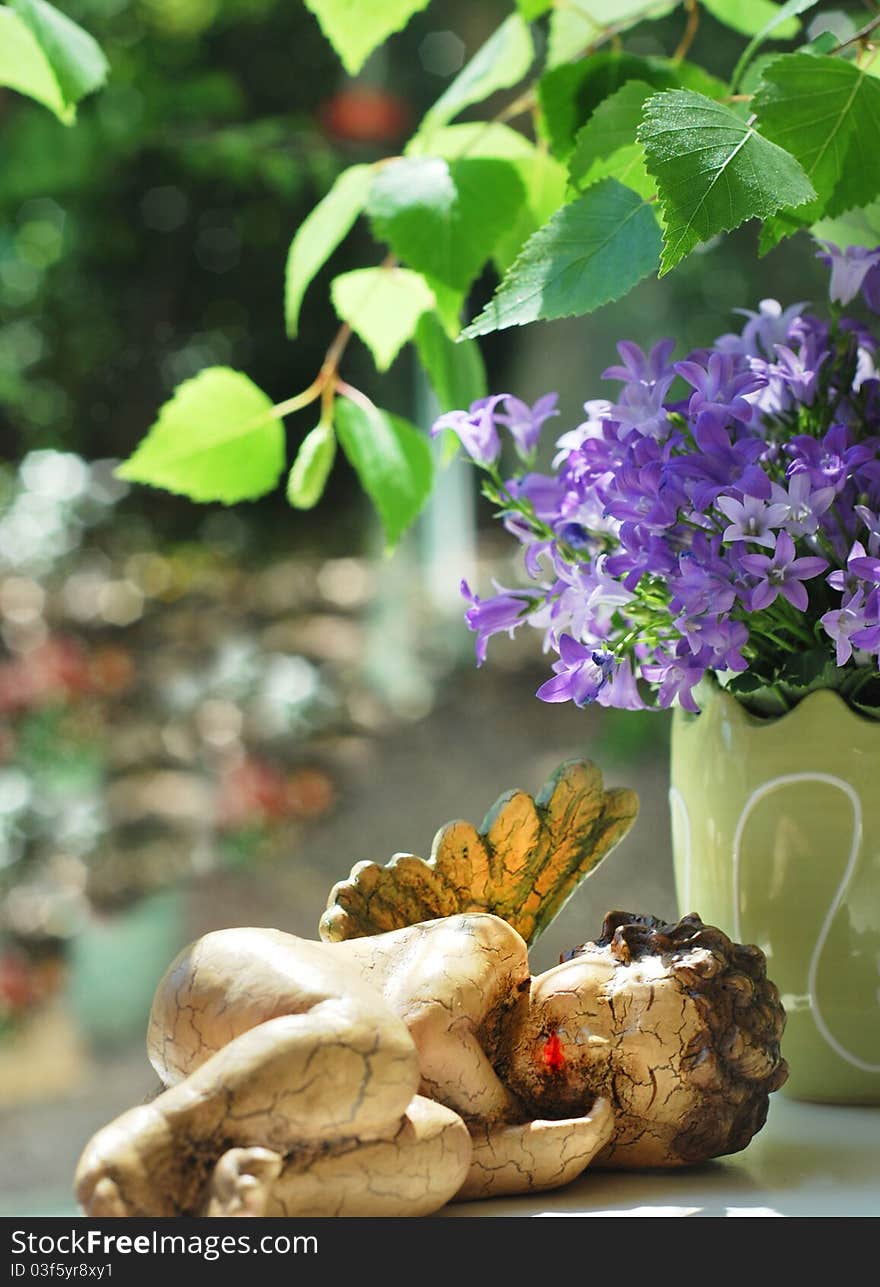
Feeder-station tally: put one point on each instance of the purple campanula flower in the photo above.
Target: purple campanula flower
(827, 460)
(502, 613)
(717, 637)
(719, 387)
(580, 674)
(750, 519)
(868, 640)
(703, 580)
(719, 464)
(782, 574)
(676, 677)
(803, 507)
(525, 422)
(799, 371)
(859, 567)
(641, 553)
(871, 521)
(598, 411)
(769, 326)
(475, 428)
(849, 268)
(621, 691)
(639, 368)
(643, 496)
(871, 288)
(642, 410)
(646, 380)
(842, 623)
(544, 492)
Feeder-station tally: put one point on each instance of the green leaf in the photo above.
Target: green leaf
(217, 439)
(855, 228)
(25, 68)
(391, 458)
(576, 24)
(356, 27)
(569, 95)
(48, 57)
(444, 218)
(456, 371)
(793, 9)
(449, 305)
(543, 177)
(590, 252)
(749, 17)
(75, 57)
(826, 112)
(320, 233)
(501, 62)
(713, 170)
(382, 306)
(607, 146)
(311, 469)
(532, 9)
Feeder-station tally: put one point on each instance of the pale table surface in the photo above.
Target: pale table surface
(809, 1160)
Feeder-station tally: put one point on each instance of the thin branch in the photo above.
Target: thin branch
(355, 395)
(690, 31)
(859, 36)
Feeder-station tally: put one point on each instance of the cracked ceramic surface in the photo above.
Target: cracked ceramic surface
(389, 1074)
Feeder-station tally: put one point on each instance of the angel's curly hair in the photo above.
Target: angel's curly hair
(736, 1060)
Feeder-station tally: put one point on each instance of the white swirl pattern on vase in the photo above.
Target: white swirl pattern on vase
(681, 817)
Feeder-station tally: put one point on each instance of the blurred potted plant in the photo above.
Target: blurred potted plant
(711, 541)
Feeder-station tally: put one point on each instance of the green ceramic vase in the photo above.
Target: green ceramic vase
(776, 840)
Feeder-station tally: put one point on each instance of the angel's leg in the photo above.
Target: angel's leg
(337, 1078)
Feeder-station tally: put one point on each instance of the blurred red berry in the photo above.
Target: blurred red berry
(364, 114)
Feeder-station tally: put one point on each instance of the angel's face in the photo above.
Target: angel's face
(600, 1027)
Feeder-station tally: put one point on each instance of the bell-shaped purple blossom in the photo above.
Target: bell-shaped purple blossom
(702, 581)
(675, 676)
(766, 327)
(475, 429)
(719, 387)
(867, 637)
(798, 371)
(580, 673)
(827, 460)
(500, 614)
(525, 422)
(840, 624)
(642, 410)
(849, 269)
(621, 690)
(860, 567)
(715, 637)
(802, 506)
(751, 519)
(639, 367)
(720, 464)
(871, 521)
(783, 573)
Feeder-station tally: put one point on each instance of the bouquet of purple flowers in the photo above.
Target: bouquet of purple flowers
(721, 516)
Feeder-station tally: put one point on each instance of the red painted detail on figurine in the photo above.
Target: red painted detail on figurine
(553, 1056)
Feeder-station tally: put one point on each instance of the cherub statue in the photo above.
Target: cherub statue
(389, 1074)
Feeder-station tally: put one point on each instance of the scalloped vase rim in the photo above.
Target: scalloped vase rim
(720, 697)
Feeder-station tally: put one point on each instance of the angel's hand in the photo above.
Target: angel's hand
(536, 1155)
